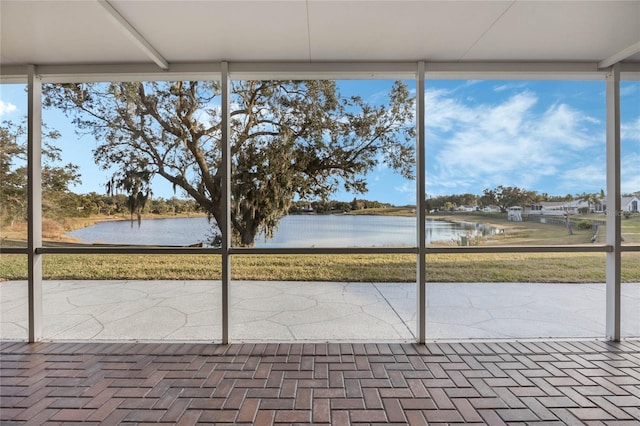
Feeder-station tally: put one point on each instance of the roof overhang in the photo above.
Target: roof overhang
(98, 40)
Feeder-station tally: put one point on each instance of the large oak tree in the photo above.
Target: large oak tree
(289, 139)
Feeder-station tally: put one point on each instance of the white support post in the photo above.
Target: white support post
(34, 202)
(225, 226)
(421, 206)
(613, 237)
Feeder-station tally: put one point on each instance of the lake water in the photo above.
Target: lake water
(294, 231)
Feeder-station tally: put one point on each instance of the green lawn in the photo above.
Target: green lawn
(524, 267)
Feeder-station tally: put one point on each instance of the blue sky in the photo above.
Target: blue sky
(547, 136)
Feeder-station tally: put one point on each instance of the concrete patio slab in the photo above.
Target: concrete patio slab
(313, 311)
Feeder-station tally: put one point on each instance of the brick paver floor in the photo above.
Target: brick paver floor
(576, 382)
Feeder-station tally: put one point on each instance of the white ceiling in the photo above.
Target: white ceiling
(309, 31)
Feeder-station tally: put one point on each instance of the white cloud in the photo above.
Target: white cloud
(630, 131)
(585, 177)
(564, 124)
(405, 188)
(509, 116)
(630, 173)
(443, 112)
(409, 191)
(629, 89)
(6, 108)
(379, 97)
(506, 143)
(509, 86)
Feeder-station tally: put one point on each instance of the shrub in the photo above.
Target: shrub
(470, 240)
(51, 228)
(584, 224)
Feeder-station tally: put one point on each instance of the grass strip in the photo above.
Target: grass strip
(500, 267)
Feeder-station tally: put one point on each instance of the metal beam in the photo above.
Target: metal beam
(153, 250)
(80, 73)
(630, 71)
(613, 236)
(421, 277)
(134, 35)
(321, 70)
(34, 203)
(620, 56)
(225, 226)
(13, 74)
(127, 72)
(513, 71)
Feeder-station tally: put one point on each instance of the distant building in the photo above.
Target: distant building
(627, 204)
(632, 205)
(514, 214)
(558, 208)
(466, 208)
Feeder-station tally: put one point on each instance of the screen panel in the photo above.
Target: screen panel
(14, 306)
(630, 295)
(515, 296)
(13, 165)
(521, 161)
(132, 297)
(323, 298)
(323, 163)
(125, 161)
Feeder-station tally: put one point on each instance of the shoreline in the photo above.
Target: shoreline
(55, 231)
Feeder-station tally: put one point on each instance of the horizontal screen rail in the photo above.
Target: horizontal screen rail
(127, 250)
(14, 250)
(520, 249)
(325, 250)
(317, 250)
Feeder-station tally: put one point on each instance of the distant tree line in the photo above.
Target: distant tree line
(504, 197)
(450, 202)
(119, 205)
(332, 206)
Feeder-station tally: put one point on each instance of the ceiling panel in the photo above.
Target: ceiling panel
(41, 32)
(435, 30)
(560, 31)
(222, 30)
